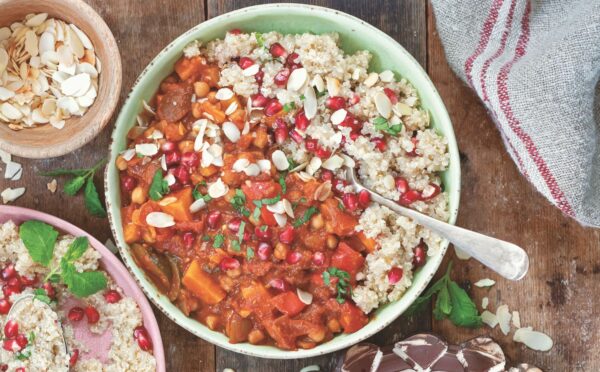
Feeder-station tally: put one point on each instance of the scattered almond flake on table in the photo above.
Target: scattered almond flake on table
(484, 302)
(111, 246)
(489, 318)
(48, 73)
(485, 283)
(516, 319)
(461, 255)
(13, 171)
(311, 368)
(9, 194)
(533, 339)
(503, 315)
(52, 185)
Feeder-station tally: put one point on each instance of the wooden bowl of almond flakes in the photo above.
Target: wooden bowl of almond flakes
(41, 137)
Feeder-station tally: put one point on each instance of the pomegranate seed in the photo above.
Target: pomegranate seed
(335, 103)
(409, 197)
(394, 275)
(318, 258)
(50, 292)
(8, 291)
(229, 263)
(10, 345)
(293, 59)
(140, 334)
(182, 174)
(379, 143)
(277, 50)
(350, 201)
(234, 224)
(279, 123)
(75, 314)
(213, 219)
(281, 135)
(235, 31)
(413, 153)
(27, 281)
(112, 296)
(351, 122)
(279, 284)
(354, 136)
(431, 191)
(128, 183)
(419, 255)
(20, 369)
(273, 107)
(364, 198)
(9, 272)
(74, 357)
(287, 235)
(297, 137)
(188, 240)
(21, 340)
(175, 187)
(322, 152)
(264, 251)
(4, 306)
(15, 283)
(402, 185)
(92, 315)
(391, 95)
(172, 158)
(11, 329)
(282, 77)
(263, 233)
(326, 175)
(338, 184)
(293, 257)
(190, 159)
(168, 146)
(355, 99)
(3, 367)
(258, 100)
(311, 145)
(245, 62)
(302, 121)
(259, 76)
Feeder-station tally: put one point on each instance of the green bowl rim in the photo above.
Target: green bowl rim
(341, 341)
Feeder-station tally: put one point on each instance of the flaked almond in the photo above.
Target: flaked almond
(160, 219)
(323, 192)
(163, 162)
(231, 131)
(280, 160)
(503, 316)
(489, 318)
(231, 108)
(224, 94)
(484, 283)
(371, 79)
(318, 83)
(533, 339)
(516, 319)
(402, 109)
(338, 116)
(485, 302)
(201, 127)
(170, 179)
(310, 103)
(299, 167)
(264, 165)
(287, 206)
(305, 297)
(314, 165)
(333, 163)
(297, 79)
(333, 86)
(197, 205)
(166, 201)
(240, 165)
(305, 176)
(9, 194)
(77, 85)
(276, 207)
(128, 154)
(386, 76)
(13, 171)
(146, 149)
(252, 170)
(383, 105)
(281, 219)
(252, 70)
(217, 189)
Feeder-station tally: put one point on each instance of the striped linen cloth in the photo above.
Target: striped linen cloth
(536, 67)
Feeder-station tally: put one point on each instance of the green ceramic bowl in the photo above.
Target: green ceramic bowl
(286, 18)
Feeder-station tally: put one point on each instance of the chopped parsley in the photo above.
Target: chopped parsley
(256, 213)
(260, 40)
(302, 97)
(23, 355)
(289, 107)
(239, 203)
(219, 240)
(292, 163)
(342, 287)
(159, 187)
(383, 125)
(341, 206)
(282, 182)
(264, 228)
(241, 231)
(307, 215)
(249, 253)
(198, 195)
(205, 238)
(235, 245)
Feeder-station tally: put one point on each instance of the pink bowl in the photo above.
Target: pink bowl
(110, 263)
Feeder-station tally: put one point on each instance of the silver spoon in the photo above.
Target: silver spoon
(507, 259)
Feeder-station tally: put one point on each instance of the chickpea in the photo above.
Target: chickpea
(334, 325)
(226, 283)
(212, 322)
(121, 163)
(332, 241)
(317, 334)
(149, 235)
(317, 221)
(281, 250)
(303, 344)
(201, 89)
(256, 336)
(138, 195)
(234, 273)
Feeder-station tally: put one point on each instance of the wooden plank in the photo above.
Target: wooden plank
(558, 295)
(405, 21)
(142, 29)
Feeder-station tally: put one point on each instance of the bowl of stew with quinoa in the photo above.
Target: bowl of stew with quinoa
(226, 192)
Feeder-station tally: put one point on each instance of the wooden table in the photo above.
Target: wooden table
(558, 296)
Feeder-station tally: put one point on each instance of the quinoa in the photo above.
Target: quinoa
(119, 318)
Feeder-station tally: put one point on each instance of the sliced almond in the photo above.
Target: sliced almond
(128, 154)
(281, 219)
(338, 116)
(201, 125)
(87, 44)
(280, 160)
(333, 86)
(163, 162)
(231, 108)
(36, 20)
(503, 316)
(10, 111)
(76, 85)
(252, 70)
(402, 109)
(276, 207)
(533, 339)
(287, 206)
(231, 131)
(9, 195)
(387, 76)
(6, 94)
(31, 43)
(297, 79)
(333, 163)
(13, 171)
(217, 189)
(197, 205)
(224, 94)
(489, 318)
(318, 83)
(323, 191)
(240, 165)
(146, 149)
(313, 165)
(310, 103)
(160, 219)
(371, 79)
(252, 170)
(484, 302)
(264, 165)
(484, 283)
(516, 319)
(166, 201)
(171, 180)
(383, 104)
(305, 297)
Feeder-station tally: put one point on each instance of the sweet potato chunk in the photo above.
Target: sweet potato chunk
(202, 285)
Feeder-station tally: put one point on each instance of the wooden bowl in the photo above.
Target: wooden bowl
(46, 141)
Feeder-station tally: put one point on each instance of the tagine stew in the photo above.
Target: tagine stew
(228, 226)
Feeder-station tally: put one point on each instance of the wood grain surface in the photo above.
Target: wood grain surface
(560, 293)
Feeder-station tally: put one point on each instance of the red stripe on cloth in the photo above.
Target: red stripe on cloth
(484, 38)
(515, 125)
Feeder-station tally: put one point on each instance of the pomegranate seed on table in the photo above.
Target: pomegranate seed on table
(140, 334)
(75, 314)
(296, 136)
(282, 76)
(287, 235)
(419, 255)
(302, 121)
(281, 135)
(188, 239)
(168, 146)
(74, 357)
(277, 50)
(234, 224)
(9, 272)
(11, 328)
(335, 103)
(402, 185)
(213, 219)
(318, 258)
(245, 62)
(264, 251)
(293, 257)
(273, 107)
(350, 201)
(264, 233)
(379, 143)
(279, 284)
(410, 197)
(21, 340)
(430, 191)
(229, 263)
(364, 198)
(190, 159)
(258, 100)
(311, 145)
(322, 152)
(181, 173)
(235, 31)
(326, 175)
(391, 95)
(394, 275)
(112, 296)
(93, 316)
(258, 77)
(128, 183)
(4, 306)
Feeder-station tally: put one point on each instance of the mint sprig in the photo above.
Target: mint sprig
(383, 125)
(81, 177)
(158, 187)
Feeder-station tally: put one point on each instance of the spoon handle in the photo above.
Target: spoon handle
(507, 259)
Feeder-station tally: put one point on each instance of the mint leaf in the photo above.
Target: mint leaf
(39, 239)
(282, 183)
(65, 172)
(92, 200)
(74, 185)
(238, 202)
(40, 295)
(289, 107)
(463, 312)
(249, 253)
(443, 305)
(307, 215)
(326, 278)
(241, 231)
(158, 187)
(383, 125)
(87, 283)
(76, 249)
(219, 240)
